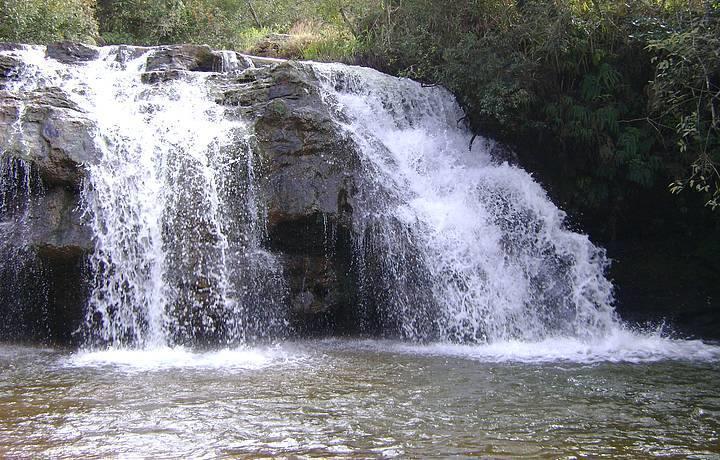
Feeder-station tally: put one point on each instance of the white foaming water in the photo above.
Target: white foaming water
(171, 260)
(617, 347)
(154, 359)
(620, 346)
(481, 238)
(230, 61)
(171, 264)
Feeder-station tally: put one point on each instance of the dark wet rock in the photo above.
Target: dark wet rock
(45, 140)
(45, 248)
(56, 222)
(11, 46)
(53, 134)
(309, 174)
(71, 53)
(199, 58)
(128, 53)
(9, 67)
(44, 290)
(161, 76)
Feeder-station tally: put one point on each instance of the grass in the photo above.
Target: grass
(308, 40)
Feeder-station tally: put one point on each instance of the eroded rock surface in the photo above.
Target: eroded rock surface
(71, 53)
(309, 177)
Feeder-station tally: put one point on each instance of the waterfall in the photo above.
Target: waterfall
(449, 242)
(172, 207)
(456, 245)
(177, 259)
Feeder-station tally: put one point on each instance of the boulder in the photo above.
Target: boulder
(8, 68)
(45, 141)
(197, 58)
(128, 53)
(161, 76)
(47, 129)
(43, 278)
(309, 175)
(71, 53)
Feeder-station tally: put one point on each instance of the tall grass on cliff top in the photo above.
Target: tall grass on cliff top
(320, 29)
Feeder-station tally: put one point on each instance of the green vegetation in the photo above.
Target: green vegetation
(686, 96)
(317, 29)
(622, 95)
(42, 21)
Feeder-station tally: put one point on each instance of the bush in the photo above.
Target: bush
(685, 99)
(155, 22)
(42, 21)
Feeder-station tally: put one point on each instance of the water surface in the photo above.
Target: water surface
(362, 399)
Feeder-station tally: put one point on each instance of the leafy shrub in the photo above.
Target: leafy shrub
(154, 22)
(42, 21)
(685, 99)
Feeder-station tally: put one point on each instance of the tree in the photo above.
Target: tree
(686, 99)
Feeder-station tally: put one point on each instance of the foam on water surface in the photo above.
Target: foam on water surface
(164, 358)
(621, 347)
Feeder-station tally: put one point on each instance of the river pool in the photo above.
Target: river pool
(365, 398)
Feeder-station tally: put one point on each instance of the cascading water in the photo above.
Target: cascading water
(21, 275)
(455, 245)
(450, 244)
(177, 259)
(171, 203)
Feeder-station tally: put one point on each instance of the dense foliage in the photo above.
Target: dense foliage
(42, 21)
(320, 28)
(622, 95)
